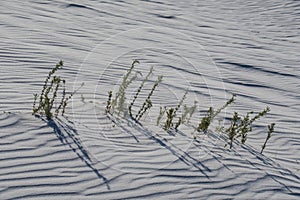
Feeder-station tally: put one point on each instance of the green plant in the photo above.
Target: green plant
(241, 126)
(270, 131)
(108, 103)
(120, 98)
(162, 111)
(48, 105)
(232, 130)
(171, 114)
(188, 112)
(147, 103)
(49, 94)
(246, 122)
(138, 92)
(220, 127)
(65, 100)
(211, 114)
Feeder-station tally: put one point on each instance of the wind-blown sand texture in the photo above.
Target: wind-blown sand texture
(211, 48)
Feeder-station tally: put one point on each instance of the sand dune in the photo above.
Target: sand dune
(210, 49)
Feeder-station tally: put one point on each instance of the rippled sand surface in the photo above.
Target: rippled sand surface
(212, 49)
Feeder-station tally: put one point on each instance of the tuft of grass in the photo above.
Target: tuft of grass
(49, 104)
(211, 114)
(270, 131)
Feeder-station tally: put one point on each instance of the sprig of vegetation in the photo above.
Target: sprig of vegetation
(49, 95)
(120, 98)
(246, 122)
(162, 111)
(147, 103)
(171, 114)
(211, 114)
(232, 130)
(65, 100)
(138, 92)
(108, 103)
(241, 126)
(270, 131)
(186, 114)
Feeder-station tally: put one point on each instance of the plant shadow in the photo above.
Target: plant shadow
(180, 154)
(68, 135)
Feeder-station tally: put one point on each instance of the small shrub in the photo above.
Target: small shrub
(270, 131)
(162, 111)
(246, 123)
(48, 104)
(108, 103)
(188, 112)
(64, 102)
(171, 114)
(211, 114)
(138, 92)
(147, 103)
(232, 130)
(49, 94)
(241, 126)
(119, 101)
(120, 98)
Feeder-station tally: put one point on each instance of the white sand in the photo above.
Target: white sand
(212, 49)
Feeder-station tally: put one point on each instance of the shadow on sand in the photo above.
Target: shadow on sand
(68, 136)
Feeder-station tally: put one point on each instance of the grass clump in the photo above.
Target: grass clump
(48, 101)
(270, 131)
(211, 114)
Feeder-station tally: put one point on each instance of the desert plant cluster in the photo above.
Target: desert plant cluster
(53, 100)
(169, 118)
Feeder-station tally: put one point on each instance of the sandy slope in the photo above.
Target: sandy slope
(62, 160)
